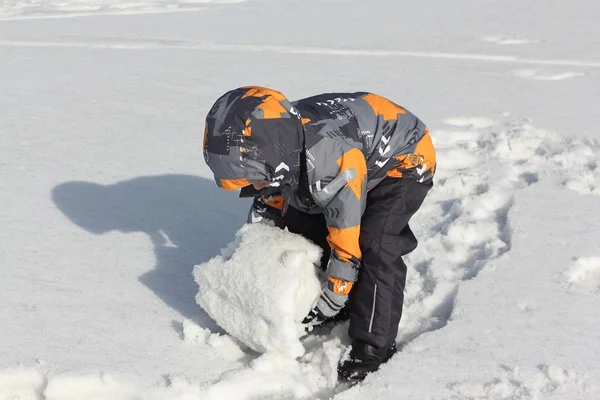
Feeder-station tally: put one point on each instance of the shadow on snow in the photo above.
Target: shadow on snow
(187, 218)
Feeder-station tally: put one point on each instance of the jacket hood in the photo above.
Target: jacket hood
(254, 134)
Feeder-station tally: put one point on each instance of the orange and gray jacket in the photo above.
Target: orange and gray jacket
(320, 155)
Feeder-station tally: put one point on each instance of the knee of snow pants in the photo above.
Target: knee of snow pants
(377, 297)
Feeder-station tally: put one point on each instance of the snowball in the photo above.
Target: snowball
(261, 288)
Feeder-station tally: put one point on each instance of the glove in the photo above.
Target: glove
(329, 303)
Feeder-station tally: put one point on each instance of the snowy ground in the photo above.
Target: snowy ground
(106, 204)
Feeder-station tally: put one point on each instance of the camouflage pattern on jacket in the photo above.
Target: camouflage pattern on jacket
(321, 154)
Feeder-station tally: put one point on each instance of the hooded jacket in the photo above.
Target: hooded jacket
(320, 154)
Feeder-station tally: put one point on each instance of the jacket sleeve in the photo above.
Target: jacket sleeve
(343, 200)
(267, 210)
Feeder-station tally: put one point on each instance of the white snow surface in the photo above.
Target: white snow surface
(261, 288)
(22, 9)
(106, 204)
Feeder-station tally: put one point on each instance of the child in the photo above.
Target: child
(345, 170)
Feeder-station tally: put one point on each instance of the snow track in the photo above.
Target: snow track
(120, 43)
(513, 384)
(468, 223)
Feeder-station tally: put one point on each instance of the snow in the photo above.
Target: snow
(585, 273)
(226, 345)
(21, 9)
(261, 288)
(93, 387)
(106, 205)
(21, 383)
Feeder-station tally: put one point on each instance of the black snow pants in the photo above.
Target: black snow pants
(377, 297)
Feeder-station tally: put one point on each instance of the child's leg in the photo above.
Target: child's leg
(377, 297)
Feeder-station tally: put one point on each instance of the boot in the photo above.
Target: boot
(364, 359)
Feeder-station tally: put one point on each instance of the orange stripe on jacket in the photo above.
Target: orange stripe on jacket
(345, 242)
(426, 149)
(383, 106)
(424, 157)
(233, 184)
(354, 158)
(259, 91)
(271, 105)
(248, 129)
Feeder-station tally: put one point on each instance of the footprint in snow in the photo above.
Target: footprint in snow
(472, 226)
(512, 384)
(531, 152)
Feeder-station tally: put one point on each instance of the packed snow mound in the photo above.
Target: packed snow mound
(261, 287)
